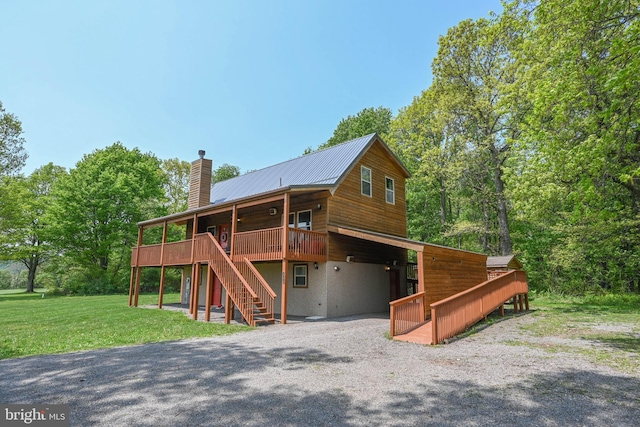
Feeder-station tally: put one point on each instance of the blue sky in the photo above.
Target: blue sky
(251, 82)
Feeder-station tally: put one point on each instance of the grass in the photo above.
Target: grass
(33, 325)
(605, 329)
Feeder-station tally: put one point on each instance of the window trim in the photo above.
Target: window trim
(363, 181)
(306, 276)
(393, 190)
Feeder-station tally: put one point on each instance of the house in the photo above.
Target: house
(321, 235)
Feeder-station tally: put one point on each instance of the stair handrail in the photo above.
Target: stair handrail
(245, 307)
(453, 315)
(266, 295)
(260, 279)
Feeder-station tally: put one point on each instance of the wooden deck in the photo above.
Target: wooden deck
(419, 335)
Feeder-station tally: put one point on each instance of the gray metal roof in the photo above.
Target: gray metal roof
(323, 168)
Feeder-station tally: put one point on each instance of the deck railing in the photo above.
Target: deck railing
(260, 287)
(453, 315)
(406, 313)
(307, 245)
(260, 245)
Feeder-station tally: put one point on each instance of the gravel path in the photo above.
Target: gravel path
(333, 373)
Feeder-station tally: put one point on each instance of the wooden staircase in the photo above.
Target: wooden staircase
(248, 290)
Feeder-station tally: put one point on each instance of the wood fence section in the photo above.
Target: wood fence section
(455, 314)
(406, 313)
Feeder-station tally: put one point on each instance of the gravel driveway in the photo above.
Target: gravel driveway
(334, 373)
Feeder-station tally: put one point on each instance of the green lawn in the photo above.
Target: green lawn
(610, 322)
(33, 325)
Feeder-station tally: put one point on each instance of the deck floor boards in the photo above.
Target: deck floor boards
(420, 335)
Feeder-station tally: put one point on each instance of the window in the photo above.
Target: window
(304, 220)
(391, 192)
(365, 177)
(300, 276)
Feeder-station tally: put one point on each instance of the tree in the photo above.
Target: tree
(579, 179)
(96, 207)
(12, 154)
(419, 136)
(368, 120)
(22, 236)
(474, 72)
(176, 186)
(224, 172)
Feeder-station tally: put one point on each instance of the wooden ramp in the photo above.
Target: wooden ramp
(419, 335)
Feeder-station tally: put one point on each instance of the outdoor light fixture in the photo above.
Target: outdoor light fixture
(319, 207)
(336, 268)
(315, 265)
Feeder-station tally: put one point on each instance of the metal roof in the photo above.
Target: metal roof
(324, 168)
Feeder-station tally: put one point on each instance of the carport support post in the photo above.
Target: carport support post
(207, 310)
(161, 293)
(136, 289)
(133, 276)
(164, 240)
(196, 288)
(285, 259)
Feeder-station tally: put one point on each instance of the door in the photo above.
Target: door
(216, 296)
(394, 280)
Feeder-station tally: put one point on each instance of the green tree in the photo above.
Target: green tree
(420, 138)
(579, 179)
(473, 72)
(12, 153)
(368, 120)
(224, 172)
(176, 186)
(96, 207)
(22, 236)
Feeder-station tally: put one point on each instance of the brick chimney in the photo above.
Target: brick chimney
(200, 182)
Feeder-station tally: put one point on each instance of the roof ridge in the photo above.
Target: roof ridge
(369, 136)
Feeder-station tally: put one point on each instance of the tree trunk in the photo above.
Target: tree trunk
(503, 221)
(32, 266)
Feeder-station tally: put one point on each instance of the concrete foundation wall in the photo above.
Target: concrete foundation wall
(310, 301)
(357, 288)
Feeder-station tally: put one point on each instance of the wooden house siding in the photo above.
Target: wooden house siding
(448, 272)
(351, 208)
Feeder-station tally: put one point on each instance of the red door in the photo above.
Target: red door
(216, 296)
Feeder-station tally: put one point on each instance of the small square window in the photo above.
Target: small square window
(365, 177)
(391, 192)
(300, 276)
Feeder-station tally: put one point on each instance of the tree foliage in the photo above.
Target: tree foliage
(224, 172)
(22, 236)
(12, 153)
(96, 207)
(366, 121)
(176, 187)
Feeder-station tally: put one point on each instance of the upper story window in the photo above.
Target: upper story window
(391, 190)
(365, 179)
(303, 220)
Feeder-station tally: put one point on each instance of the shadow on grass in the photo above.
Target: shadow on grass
(224, 383)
